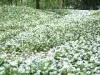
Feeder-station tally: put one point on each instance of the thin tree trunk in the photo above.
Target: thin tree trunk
(37, 4)
(61, 4)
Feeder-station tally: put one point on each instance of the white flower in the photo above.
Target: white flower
(13, 63)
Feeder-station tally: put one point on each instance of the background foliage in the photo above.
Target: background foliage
(51, 4)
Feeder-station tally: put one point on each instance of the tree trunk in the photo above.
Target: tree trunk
(37, 4)
(61, 4)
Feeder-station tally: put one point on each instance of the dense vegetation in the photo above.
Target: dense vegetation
(46, 37)
(70, 39)
(55, 4)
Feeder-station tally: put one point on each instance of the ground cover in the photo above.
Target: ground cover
(39, 42)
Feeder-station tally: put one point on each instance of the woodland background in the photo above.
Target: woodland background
(55, 4)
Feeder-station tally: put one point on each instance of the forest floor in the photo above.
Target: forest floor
(46, 42)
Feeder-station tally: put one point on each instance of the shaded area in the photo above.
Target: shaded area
(55, 4)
